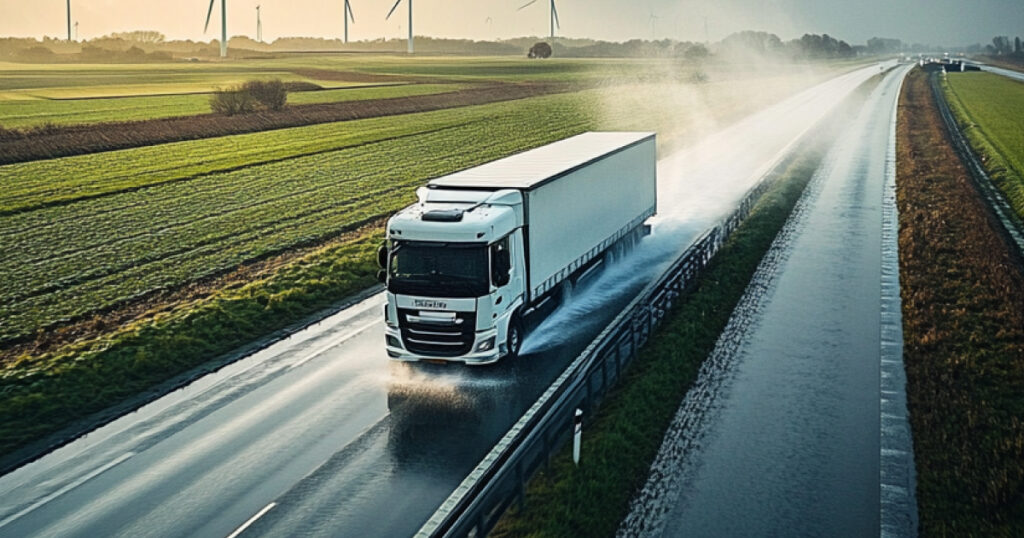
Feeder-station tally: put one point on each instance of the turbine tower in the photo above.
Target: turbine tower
(410, 19)
(69, 20)
(259, 25)
(348, 15)
(553, 15)
(223, 25)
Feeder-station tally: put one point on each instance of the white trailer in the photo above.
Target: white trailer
(483, 246)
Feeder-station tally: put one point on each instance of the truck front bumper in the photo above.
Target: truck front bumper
(397, 352)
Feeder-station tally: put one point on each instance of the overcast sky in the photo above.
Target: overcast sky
(938, 22)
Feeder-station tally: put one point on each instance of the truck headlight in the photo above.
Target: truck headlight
(393, 341)
(486, 345)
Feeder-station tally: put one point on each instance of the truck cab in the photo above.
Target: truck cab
(455, 276)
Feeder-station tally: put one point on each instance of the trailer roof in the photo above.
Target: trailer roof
(535, 167)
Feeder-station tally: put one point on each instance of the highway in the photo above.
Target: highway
(1016, 75)
(320, 435)
(788, 436)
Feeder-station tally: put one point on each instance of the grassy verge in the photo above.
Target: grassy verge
(592, 499)
(990, 111)
(42, 395)
(963, 327)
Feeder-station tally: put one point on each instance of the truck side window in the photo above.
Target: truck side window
(499, 262)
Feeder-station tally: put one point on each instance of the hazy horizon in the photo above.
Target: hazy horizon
(937, 22)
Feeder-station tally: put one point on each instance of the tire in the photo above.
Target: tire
(514, 336)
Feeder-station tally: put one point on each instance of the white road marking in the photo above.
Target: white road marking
(120, 459)
(334, 343)
(252, 520)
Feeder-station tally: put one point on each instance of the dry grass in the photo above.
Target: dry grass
(963, 318)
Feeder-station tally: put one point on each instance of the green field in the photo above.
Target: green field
(990, 109)
(22, 113)
(87, 233)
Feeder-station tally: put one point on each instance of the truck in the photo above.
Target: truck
(483, 248)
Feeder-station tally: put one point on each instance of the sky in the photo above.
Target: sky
(937, 22)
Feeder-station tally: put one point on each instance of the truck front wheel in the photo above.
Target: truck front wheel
(514, 338)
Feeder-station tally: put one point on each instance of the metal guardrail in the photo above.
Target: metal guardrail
(1012, 224)
(499, 480)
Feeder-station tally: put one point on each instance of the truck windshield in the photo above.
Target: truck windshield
(439, 269)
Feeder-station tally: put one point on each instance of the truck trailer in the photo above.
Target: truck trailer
(484, 247)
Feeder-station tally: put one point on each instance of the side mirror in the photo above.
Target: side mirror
(382, 257)
(502, 266)
(382, 276)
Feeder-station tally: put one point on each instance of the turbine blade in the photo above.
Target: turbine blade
(393, 8)
(348, 8)
(528, 4)
(554, 11)
(208, 14)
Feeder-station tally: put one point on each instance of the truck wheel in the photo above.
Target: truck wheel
(514, 338)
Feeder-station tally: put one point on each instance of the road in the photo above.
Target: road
(319, 435)
(1016, 75)
(781, 434)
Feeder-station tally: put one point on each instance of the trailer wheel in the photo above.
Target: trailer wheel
(514, 338)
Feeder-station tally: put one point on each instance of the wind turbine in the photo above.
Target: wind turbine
(259, 25)
(348, 15)
(410, 19)
(69, 20)
(554, 16)
(76, 30)
(223, 25)
(654, 21)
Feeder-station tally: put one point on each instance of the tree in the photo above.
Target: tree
(1001, 45)
(539, 50)
(140, 36)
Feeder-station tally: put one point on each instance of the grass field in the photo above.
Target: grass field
(990, 110)
(25, 113)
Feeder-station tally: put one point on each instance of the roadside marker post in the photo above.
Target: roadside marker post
(577, 432)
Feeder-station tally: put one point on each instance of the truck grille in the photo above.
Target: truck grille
(438, 334)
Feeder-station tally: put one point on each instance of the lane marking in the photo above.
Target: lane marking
(252, 520)
(333, 343)
(120, 459)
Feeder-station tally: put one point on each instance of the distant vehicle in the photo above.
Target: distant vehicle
(484, 247)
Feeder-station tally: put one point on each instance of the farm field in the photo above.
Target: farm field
(990, 109)
(90, 232)
(36, 112)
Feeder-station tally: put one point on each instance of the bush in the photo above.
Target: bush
(232, 101)
(272, 94)
(540, 50)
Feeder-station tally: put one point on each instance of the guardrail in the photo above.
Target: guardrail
(499, 480)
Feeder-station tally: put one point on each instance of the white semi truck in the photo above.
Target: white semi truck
(484, 247)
